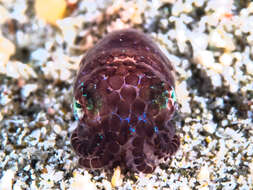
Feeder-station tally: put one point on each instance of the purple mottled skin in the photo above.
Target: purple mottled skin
(124, 100)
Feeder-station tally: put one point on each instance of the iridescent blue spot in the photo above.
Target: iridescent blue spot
(101, 136)
(142, 117)
(128, 119)
(155, 129)
(132, 129)
(173, 95)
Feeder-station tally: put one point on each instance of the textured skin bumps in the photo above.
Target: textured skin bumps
(124, 100)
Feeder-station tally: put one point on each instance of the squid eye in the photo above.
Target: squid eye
(78, 111)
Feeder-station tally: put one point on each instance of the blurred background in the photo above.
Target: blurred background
(210, 44)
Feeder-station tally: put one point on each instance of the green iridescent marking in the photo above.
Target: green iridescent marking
(173, 95)
(93, 104)
(161, 96)
(90, 105)
(92, 99)
(165, 98)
